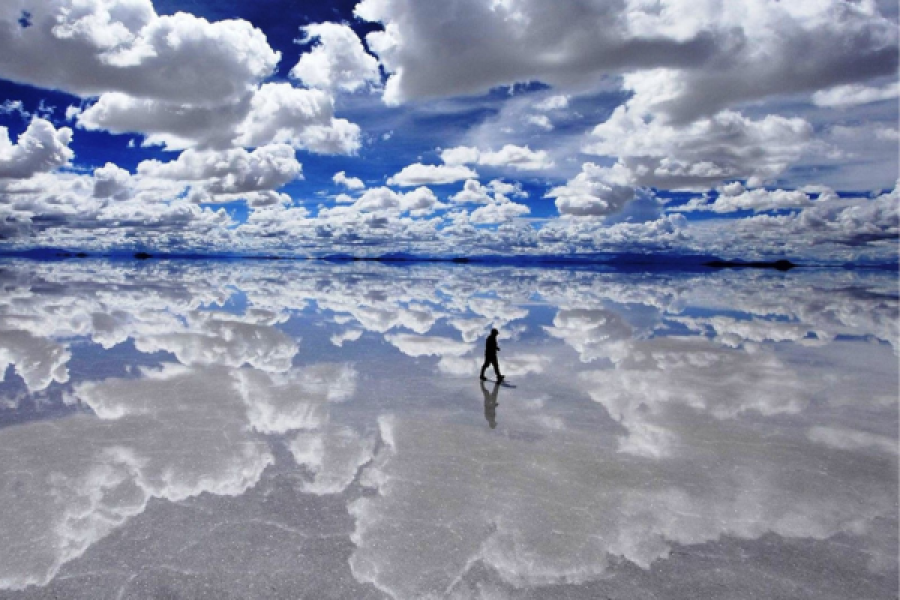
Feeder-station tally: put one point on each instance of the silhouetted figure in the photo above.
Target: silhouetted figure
(490, 356)
(490, 404)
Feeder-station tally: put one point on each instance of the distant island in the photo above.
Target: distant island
(780, 265)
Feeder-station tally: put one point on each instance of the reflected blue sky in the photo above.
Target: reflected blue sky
(163, 425)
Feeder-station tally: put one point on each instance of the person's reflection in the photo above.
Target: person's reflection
(490, 404)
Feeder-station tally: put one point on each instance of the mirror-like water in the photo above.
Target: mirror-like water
(284, 430)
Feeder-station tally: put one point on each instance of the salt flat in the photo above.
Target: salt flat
(193, 429)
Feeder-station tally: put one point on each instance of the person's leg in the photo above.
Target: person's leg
(496, 365)
(484, 366)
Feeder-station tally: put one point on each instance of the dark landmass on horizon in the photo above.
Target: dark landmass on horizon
(780, 265)
(617, 260)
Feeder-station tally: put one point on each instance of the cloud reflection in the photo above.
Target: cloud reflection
(652, 413)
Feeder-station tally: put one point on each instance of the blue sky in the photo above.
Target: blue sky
(744, 128)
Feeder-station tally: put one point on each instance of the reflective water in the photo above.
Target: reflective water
(315, 430)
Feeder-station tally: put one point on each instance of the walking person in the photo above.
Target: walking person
(490, 356)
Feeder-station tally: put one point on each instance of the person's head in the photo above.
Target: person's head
(494, 332)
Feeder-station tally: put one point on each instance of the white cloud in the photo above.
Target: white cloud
(430, 51)
(850, 43)
(420, 201)
(17, 107)
(707, 151)
(40, 148)
(274, 113)
(232, 171)
(460, 155)
(304, 119)
(337, 62)
(550, 103)
(596, 191)
(541, 121)
(472, 192)
(175, 125)
(854, 154)
(516, 157)
(731, 200)
(419, 174)
(124, 46)
(855, 93)
(499, 208)
(851, 222)
(351, 183)
(381, 198)
(498, 212)
(712, 51)
(111, 181)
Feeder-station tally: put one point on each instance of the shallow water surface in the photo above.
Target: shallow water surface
(315, 430)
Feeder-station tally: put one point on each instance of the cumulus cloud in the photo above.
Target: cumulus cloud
(701, 153)
(378, 199)
(475, 193)
(596, 191)
(430, 52)
(419, 174)
(69, 209)
(734, 198)
(174, 125)
(124, 46)
(229, 172)
(850, 43)
(498, 212)
(472, 192)
(337, 61)
(420, 201)
(112, 181)
(39, 149)
(275, 113)
(521, 158)
(709, 54)
(850, 222)
(351, 183)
